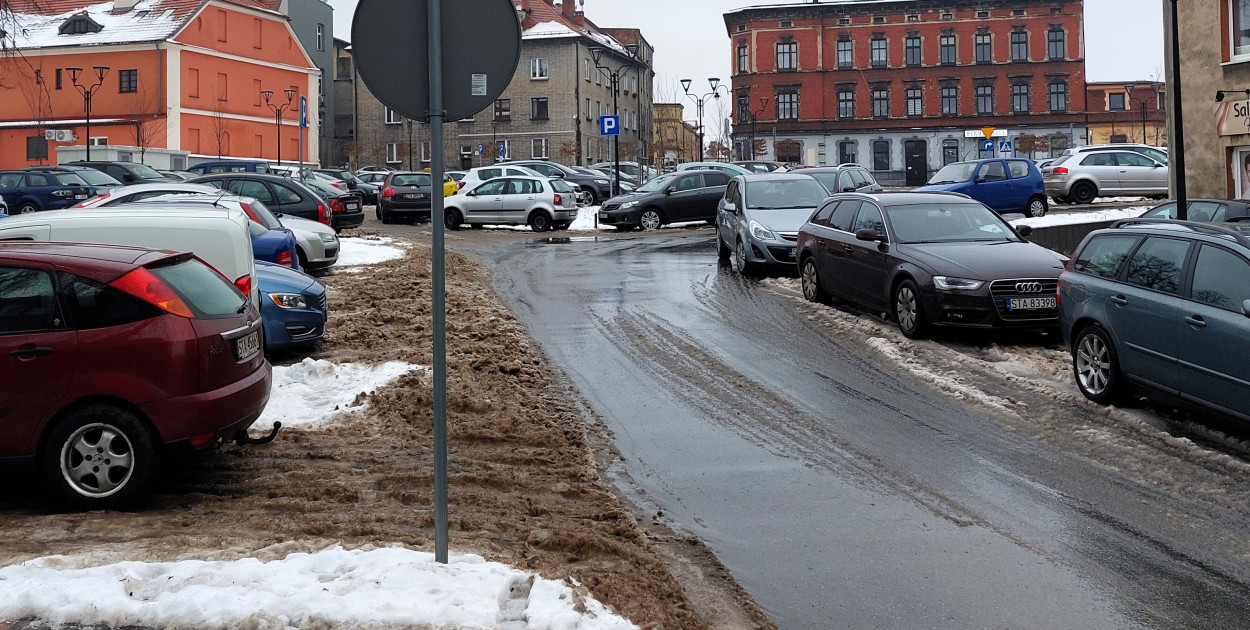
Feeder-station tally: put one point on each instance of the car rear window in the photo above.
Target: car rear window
(416, 179)
(208, 294)
(264, 216)
(96, 178)
(143, 171)
(1104, 255)
(1019, 168)
(68, 179)
(559, 186)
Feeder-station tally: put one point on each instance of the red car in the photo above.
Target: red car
(114, 355)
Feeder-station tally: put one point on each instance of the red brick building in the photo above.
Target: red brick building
(904, 86)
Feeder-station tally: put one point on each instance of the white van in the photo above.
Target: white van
(219, 237)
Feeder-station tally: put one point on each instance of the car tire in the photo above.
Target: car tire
(650, 219)
(592, 198)
(377, 212)
(452, 219)
(540, 221)
(809, 276)
(127, 452)
(741, 264)
(302, 258)
(1084, 192)
(1036, 207)
(386, 217)
(1096, 365)
(723, 251)
(27, 208)
(909, 310)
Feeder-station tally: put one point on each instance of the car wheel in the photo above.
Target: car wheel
(386, 217)
(1096, 366)
(100, 457)
(908, 310)
(592, 198)
(452, 219)
(741, 264)
(1037, 207)
(301, 257)
(810, 278)
(540, 221)
(377, 212)
(27, 208)
(650, 219)
(722, 250)
(1084, 192)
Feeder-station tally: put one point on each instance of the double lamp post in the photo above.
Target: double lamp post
(700, 100)
(87, 91)
(278, 109)
(614, 75)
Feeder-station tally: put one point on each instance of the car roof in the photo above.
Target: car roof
(1210, 232)
(829, 169)
(127, 210)
(765, 177)
(116, 255)
(907, 198)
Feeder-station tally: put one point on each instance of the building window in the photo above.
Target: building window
(848, 152)
(950, 100)
(588, 110)
(788, 56)
(598, 76)
(321, 37)
(587, 69)
(985, 52)
(1020, 98)
(881, 102)
(538, 148)
(846, 55)
(392, 153)
(1058, 96)
(744, 106)
(1055, 48)
(787, 24)
(425, 151)
(915, 101)
(538, 108)
(58, 78)
(846, 103)
(1019, 46)
(985, 99)
(392, 117)
(744, 58)
(1118, 138)
(946, 48)
(128, 81)
(788, 106)
(538, 69)
(1240, 10)
(911, 50)
(1115, 102)
(503, 110)
(879, 55)
(881, 155)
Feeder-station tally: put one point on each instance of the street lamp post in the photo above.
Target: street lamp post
(1176, 156)
(277, 113)
(87, 91)
(410, 144)
(755, 116)
(715, 93)
(614, 76)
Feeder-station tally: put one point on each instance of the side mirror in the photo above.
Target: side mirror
(1025, 230)
(668, 191)
(351, 185)
(560, 174)
(128, 177)
(979, 180)
(730, 206)
(867, 235)
(850, 189)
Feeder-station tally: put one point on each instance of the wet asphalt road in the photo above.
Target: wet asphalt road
(839, 491)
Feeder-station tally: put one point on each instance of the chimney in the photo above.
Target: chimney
(568, 8)
(122, 6)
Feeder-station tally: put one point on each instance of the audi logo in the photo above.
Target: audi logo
(1028, 287)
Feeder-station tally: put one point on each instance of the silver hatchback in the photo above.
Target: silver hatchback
(1083, 177)
(539, 202)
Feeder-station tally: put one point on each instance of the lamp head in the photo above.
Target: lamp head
(268, 94)
(685, 85)
(73, 74)
(290, 94)
(632, 49)
(714, 82)
(99, 71)
(596, 54)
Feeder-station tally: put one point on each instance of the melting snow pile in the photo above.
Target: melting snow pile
(585, 219)
(1069, 218)
(378, 588)
(312, 391)
(356, 251)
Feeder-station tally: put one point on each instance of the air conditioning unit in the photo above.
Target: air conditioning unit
(49, 134)
(64, 135)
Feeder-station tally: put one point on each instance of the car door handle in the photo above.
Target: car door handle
(1196, 320)
(30, 351)
(1119, 299)
(848, 249)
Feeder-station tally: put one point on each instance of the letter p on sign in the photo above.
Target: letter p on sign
(609, 125)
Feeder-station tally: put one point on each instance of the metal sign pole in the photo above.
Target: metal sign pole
(438, 271)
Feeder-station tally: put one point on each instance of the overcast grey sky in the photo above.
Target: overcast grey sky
(1124, 38)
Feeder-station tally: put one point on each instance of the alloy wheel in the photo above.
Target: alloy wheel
(740, 257)
(1093, 364)
(650, 220)
(1037, 208)
(811, 286)
(97, 460)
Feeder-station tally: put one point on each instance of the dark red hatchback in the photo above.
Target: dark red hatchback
(112, 355)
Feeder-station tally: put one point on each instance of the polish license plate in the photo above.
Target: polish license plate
(1030, 304)
(80, 196)
(793, 251)
(246, 346)
(603, 216)
(353, 206)
(414, 196)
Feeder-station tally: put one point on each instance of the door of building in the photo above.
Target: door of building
(917, 162)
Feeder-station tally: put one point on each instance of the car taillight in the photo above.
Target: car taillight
(559, 200)
(460, 183)
(63, 193)
(323, 215)
(389, 192)
(147, 287)
(1060, 170)
(285, 258)
(251, 214)
(336, 186)
(95, 201)
(337, 206)
(244, 284)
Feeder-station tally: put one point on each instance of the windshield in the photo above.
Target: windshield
(784, 193)
(1157, 155)
(146, 172)
(657, 184)
(956, 173)
(947, 223)
(828, 179)
(96, 178)
(68, 179)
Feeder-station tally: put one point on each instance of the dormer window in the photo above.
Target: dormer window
(80, 24)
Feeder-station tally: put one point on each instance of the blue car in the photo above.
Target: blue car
(1005, 185)
(25, 191)
(293, 307)
(101, 183)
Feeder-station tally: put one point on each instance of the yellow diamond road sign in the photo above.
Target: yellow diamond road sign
(988, 131)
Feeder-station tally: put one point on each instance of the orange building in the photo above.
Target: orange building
(177, 74)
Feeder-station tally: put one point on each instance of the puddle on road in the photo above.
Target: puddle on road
(566, 239)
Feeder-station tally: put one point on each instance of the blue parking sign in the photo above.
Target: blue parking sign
(480, 149)
(609, 125)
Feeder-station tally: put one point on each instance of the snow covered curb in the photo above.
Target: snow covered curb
(358, 251)
(1071, 218)
(334, 587)
(313, 392)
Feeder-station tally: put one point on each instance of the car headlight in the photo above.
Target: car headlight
(289, 300)
(628, 204)
(329, 238)
(947, 283)
(602, 182)
(760, 233)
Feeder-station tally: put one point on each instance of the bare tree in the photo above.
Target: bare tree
(219, 127)
(151, 124)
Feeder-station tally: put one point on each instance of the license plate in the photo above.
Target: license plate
(414, 196)
(352, 206)
(80, 196)
(793, 251)
(246, 346)
(603, 216)
(1030, 304)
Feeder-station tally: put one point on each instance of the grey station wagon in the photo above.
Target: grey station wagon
(1164, 305)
